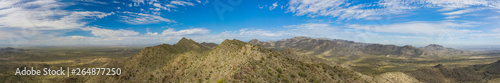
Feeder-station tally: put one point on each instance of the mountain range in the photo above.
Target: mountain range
(337, 47)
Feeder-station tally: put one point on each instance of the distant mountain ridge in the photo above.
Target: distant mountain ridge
(438, 50)
(337, 47)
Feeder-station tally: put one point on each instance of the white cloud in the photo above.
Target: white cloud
(444, 28)
(343, 9)
(493, 17)
(451, 17)
(335, 8)
(258, 32)
(194, 31)
(159, 6)
(141, 18)
(459, 12)
(273, 6)
(46, 15)
(28, 21)
(496, 30)
(156, 6)
(93, 1)
(182, 3)
(260, 7)
(110, 33)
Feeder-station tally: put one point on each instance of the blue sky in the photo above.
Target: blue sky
(149, 22)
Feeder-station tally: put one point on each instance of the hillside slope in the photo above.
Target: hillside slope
(232, 61)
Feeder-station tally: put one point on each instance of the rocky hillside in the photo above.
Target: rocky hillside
(336, 47)
(475, 73)
(442, 74)
(233, 61)
(438, 50)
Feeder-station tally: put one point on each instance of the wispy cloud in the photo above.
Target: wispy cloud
(141, 18)
(343, 9)
(172, 32)
(110, 33)
(452, 17)
(182, 3)
(444, 28)
(273, 6)
(93, 1)
(29, 21)
(460, 12)
(44, 15)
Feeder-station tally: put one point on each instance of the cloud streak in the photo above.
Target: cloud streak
(444, 28)
(345, 10)
(141, 18)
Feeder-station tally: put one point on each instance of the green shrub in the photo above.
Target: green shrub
(286, 80)
(293, 75)
(200, 81)
(311, 80)
(221, 81)
(302, 74)
(279, 71)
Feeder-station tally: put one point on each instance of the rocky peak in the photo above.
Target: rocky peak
(301, 38)
(434, 46)
(409, 46)
(254, 41)
(184, 40)
(210, 45)
(189, 44)
(231, 44)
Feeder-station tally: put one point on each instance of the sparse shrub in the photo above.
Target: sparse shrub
(286, 80)
(302, 74)
(293, 75)
(279, 70)
(270, 73)
(332, 75)
(340, 75)
(244, 52)
(221, 81)
(311, 80)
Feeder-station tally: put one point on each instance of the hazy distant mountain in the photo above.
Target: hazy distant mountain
(210, 45)
(336, 47)
(233, 61)
(10, 53)
(438, 50)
